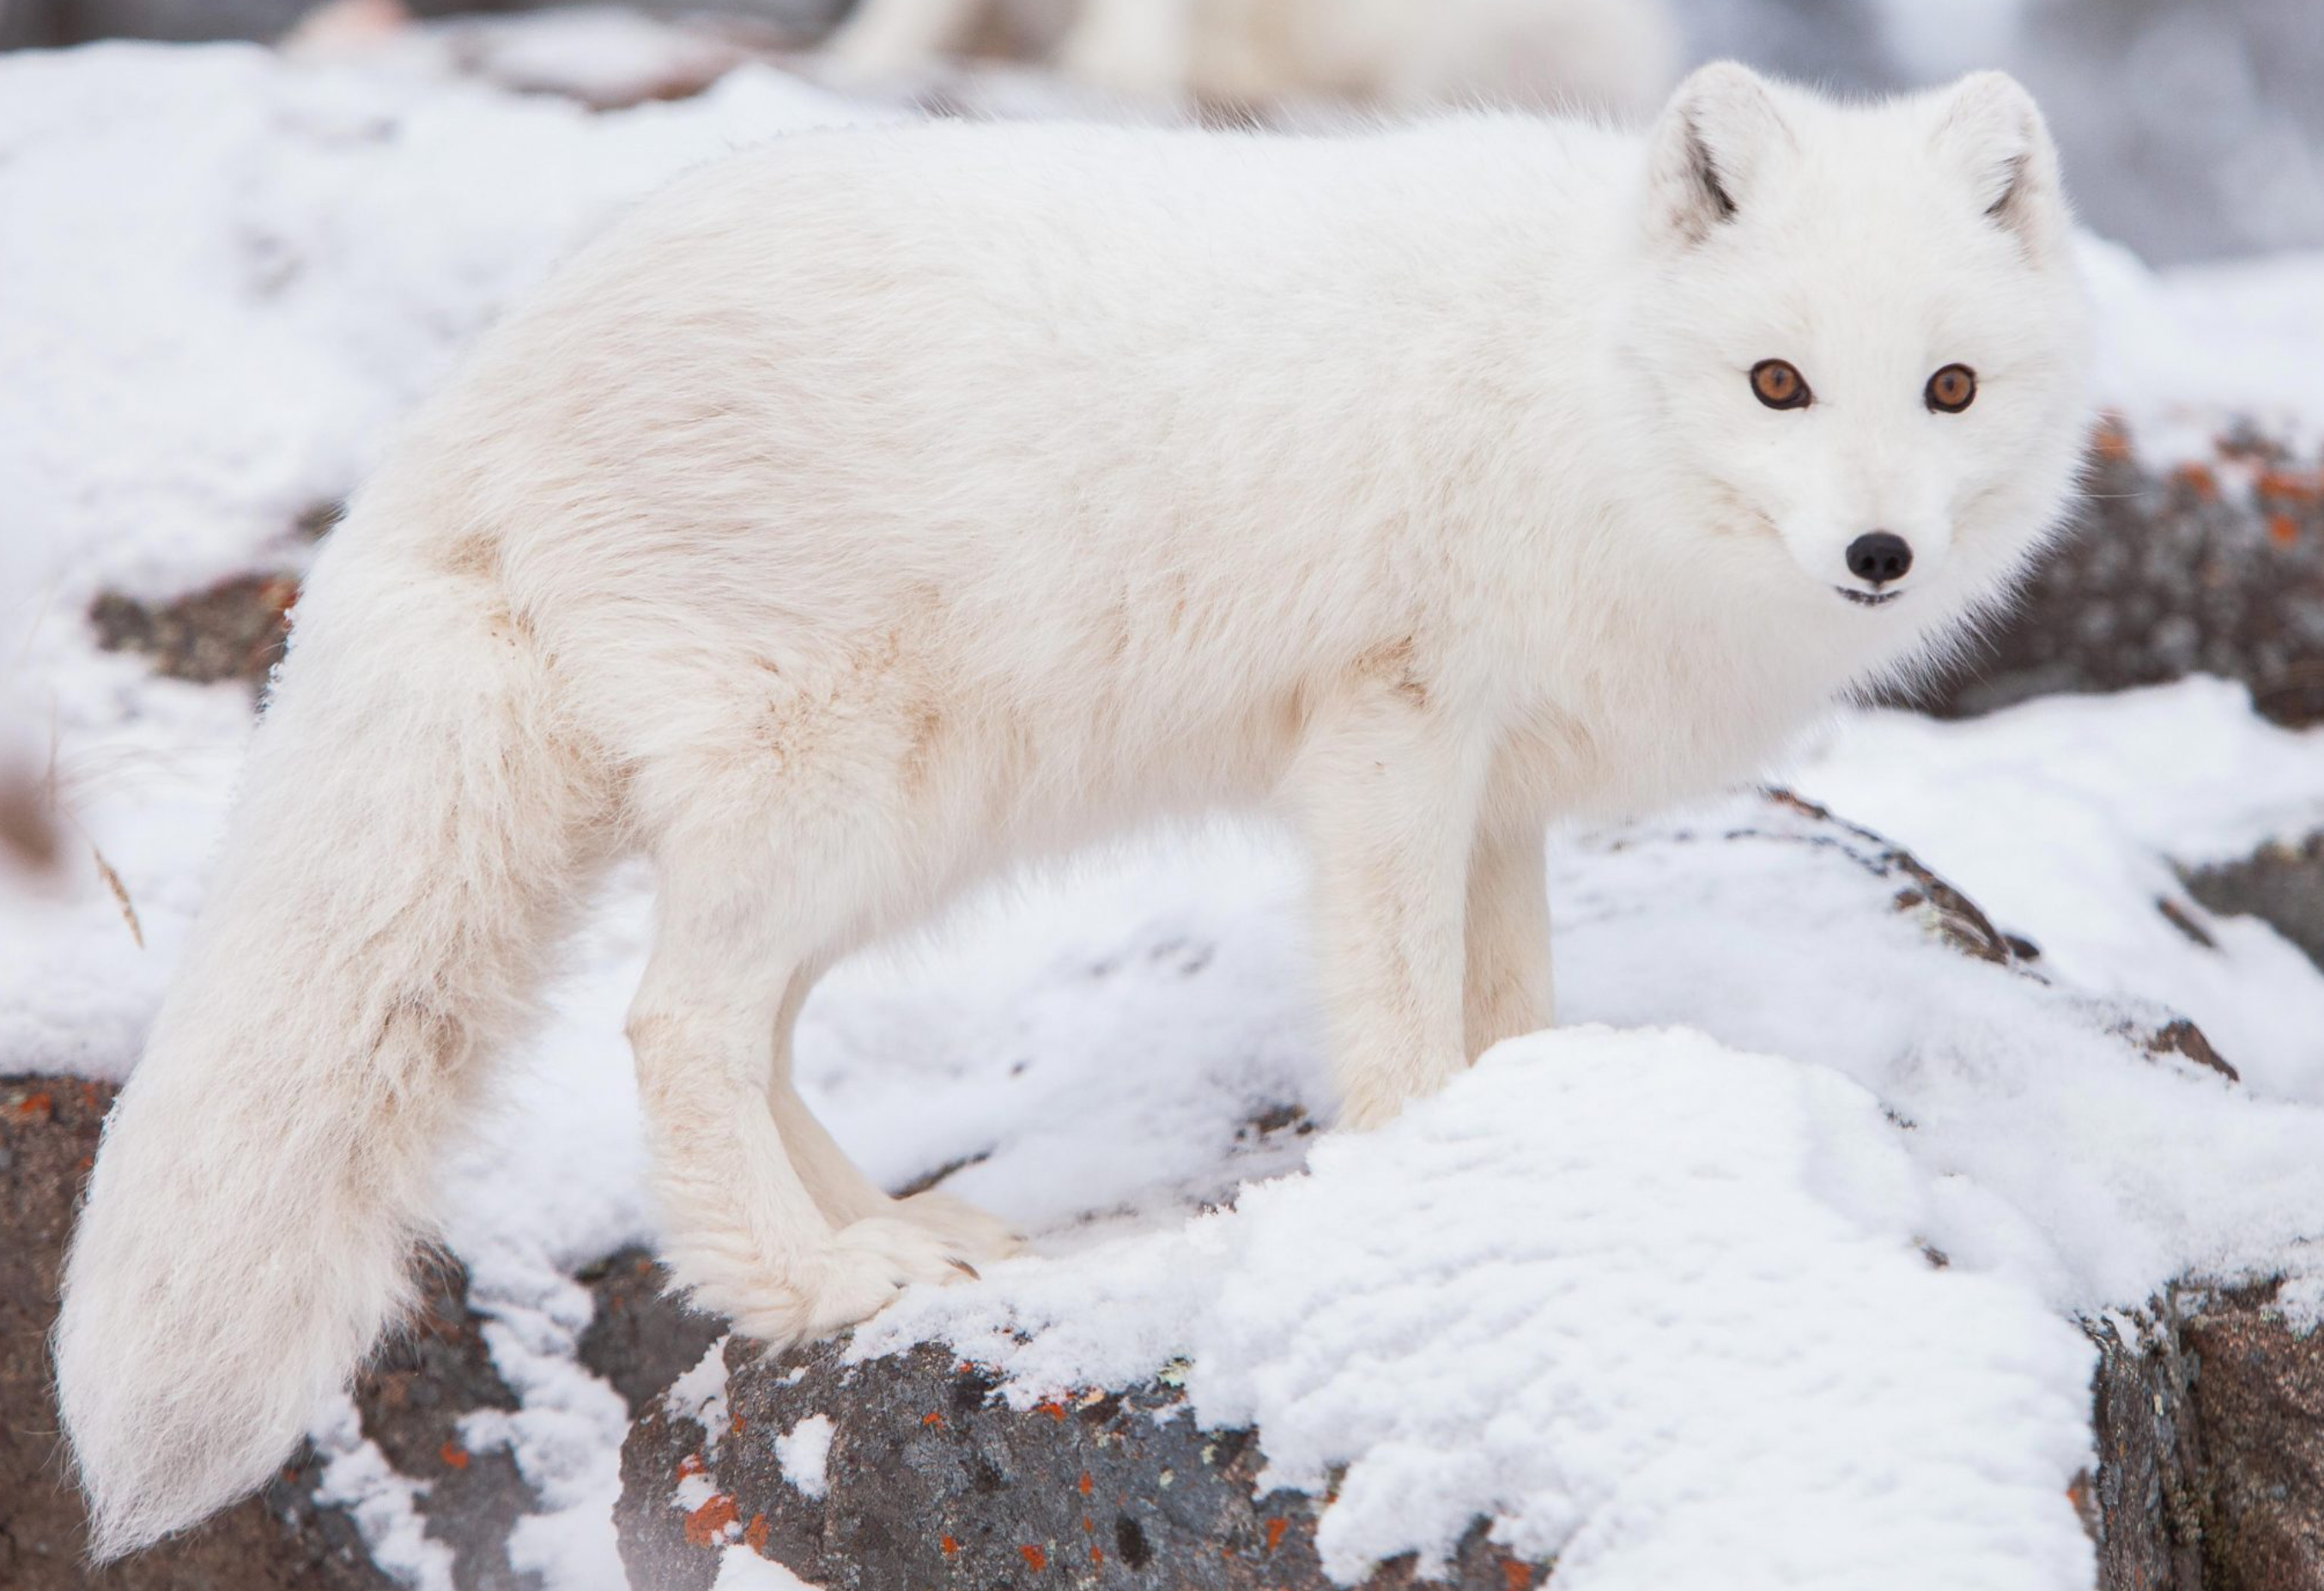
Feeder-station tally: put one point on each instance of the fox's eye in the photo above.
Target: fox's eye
(1952, 389)
(1778, 384)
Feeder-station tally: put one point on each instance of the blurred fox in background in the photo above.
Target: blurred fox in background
(1618, 57)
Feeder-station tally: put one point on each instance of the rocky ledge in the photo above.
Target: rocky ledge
(291, 1536)
(2208, 1407)
(916, 1474)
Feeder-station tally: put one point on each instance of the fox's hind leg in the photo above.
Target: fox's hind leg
(843, 1192)
(738, 917)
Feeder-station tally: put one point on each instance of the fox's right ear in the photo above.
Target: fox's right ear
(1709, 148)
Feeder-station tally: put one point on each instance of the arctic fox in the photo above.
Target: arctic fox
(874, 510)
(1616, 56)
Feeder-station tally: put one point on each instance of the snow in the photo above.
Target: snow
(2179, 351)
(385, 1503)
(741, 1569)
(2067, 820)
(1650, 1289)
(803, 1451)
(1553, 1295)
(700, 1395)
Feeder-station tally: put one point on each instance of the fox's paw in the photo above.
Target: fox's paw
(977, 1236)
(865, 1265)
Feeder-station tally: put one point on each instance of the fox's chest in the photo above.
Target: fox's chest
(1684, 716)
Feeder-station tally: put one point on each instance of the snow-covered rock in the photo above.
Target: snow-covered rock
(1637, 1305)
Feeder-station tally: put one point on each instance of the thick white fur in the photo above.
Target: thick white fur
(1606, 55)
(873, 510)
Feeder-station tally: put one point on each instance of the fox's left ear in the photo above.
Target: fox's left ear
(1992, 132)
(1710, 152)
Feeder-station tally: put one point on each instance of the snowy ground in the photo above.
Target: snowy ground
(1670, 1262)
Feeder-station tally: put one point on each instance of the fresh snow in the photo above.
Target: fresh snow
(741, 1569)
(2063, 818)
(1655, 1291)
(803, 1451)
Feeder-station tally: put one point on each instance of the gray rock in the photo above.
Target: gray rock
(233, 630)
(282, 1540)
(433, 1372)
(2165, 575)
(2210, 1433)
(931, 1480)
(2281, 883)
(641, 1339)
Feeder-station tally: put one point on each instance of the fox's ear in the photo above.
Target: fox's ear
(1709, 148)
(1990, 130)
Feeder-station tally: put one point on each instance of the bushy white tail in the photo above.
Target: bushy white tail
(414, 824)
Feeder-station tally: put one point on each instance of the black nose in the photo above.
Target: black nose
(1878, 556)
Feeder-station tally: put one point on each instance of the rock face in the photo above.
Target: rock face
(411, 1402)
(282, 1538)
(2208, 1414)
(640, 1339)
(930, 1480)
(2211, 1433)
(2281, 883)
(2212, 567)
(233, 631)
(2211, 1438)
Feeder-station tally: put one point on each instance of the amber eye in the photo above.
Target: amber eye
(1778, 384)
(1952, 389)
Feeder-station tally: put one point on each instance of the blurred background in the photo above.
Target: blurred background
(2193, 129)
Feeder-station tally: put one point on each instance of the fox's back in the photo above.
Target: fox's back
(1208, 410)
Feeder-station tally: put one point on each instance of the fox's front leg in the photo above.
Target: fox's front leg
(1387, 790)
(1507, 988)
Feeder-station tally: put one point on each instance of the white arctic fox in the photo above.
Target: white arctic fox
(1607, 55)
(872, 511)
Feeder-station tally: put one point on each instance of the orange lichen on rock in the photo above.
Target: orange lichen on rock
(707, 1524)
(1084, 1484)
(1052, 1407)
(1275, 1530)
(2282, 529)
(1035, 1558)
(948, 1545)
(1516, 1576)
(932, 1419)
(2291, 486)
(43, 1104)
(689, 1466)
(454, 1455)
(2199, 479)
(754, 1535)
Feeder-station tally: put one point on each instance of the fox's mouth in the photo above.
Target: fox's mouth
(1868, 598)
